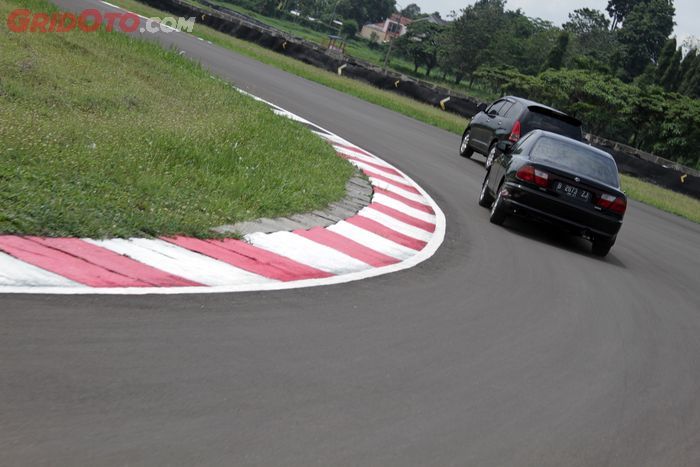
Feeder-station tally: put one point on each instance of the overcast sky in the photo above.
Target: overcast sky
(687, 11)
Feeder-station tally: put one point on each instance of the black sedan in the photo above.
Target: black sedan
(558, 180)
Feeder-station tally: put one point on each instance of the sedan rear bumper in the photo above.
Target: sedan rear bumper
(580, 220)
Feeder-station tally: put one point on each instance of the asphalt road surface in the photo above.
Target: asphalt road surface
(511, 346)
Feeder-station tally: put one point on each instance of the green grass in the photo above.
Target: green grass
(406, 106)
(661, 198)
(102, 135)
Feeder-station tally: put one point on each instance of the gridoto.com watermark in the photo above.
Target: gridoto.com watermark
(24, 20)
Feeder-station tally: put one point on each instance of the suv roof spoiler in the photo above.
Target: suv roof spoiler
(555, 113)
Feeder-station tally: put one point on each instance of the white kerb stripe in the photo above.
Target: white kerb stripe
(181, 262)
(399, 191)
(404, 208)
(334, 139)
(395, 224)
(307, 252)
(291, 116)
(17, 273)
(366, 158)
(361, 155)
(396, 178)
(372, 240)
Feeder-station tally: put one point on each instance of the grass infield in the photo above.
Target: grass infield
(404, 105)
(666, 200)
(102, 135)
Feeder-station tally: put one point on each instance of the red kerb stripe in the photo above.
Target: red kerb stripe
(353, 148)
(256, 260)
(32, 251)
(347, 246)
(386, 232)
(115, 262)
(410, 220)
(409, 202)
(403, 186)
(383, 168)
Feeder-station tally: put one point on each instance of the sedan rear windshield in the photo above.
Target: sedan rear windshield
(550, 122)
(577, 159)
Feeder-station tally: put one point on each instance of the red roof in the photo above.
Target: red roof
(404, 20)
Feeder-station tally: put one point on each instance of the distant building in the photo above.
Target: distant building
(392, 27)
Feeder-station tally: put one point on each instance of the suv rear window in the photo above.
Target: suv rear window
(539, 119)
(496, 107)
(577, 159)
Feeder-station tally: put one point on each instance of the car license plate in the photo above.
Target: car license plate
(573, 192)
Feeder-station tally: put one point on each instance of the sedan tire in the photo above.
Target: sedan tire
(485, 198)
(498, 209)
(601, 247)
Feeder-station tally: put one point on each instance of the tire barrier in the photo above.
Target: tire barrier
(249, 29)
(630, 161)
(656, 170)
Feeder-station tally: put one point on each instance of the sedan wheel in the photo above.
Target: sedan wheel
(601, 247)
(498, 209)
(485, 198)
(464, 149)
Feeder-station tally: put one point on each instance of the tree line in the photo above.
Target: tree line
(618, 70)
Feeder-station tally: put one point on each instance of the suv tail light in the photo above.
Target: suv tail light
(612, 203)
(528, 173)
(515, 132)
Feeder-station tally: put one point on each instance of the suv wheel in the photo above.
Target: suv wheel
(492, 155)
(464, 149)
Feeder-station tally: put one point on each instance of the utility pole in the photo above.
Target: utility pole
(333, 15)
(391, 42)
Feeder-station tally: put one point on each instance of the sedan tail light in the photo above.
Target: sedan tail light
(528, 173)
(515, 132)
(612, 203)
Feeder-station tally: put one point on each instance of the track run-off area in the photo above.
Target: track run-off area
(509, 346)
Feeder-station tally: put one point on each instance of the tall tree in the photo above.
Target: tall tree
(378, 9)
(349, 28)
(585, 22)
(665, 57)
(468, 38)
(619, 9)
(367, 11)
(644, 33)
(523, 43)
(691, 81)
(670, 79)
(555, 59)
(687, 69)
(421, 44)
(411, 11)
(592, 41)
(691, 42)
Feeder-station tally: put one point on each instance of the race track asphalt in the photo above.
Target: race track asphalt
(511, 346)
